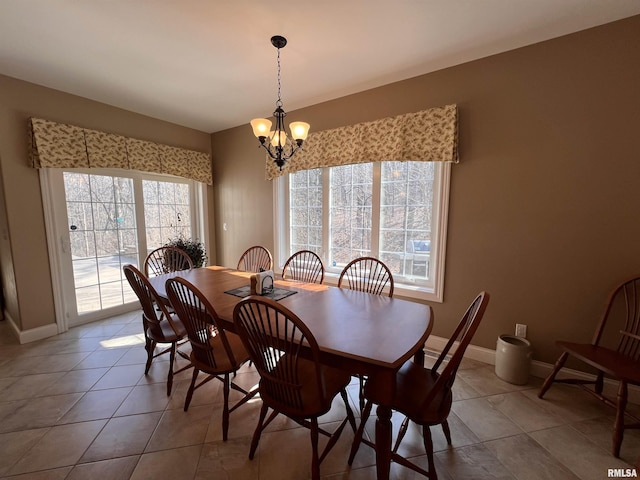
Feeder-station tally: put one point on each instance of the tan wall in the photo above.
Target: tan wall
(545, 203)
(26, 276)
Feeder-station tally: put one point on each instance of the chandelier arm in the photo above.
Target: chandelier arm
(284, 156)
(268, 150)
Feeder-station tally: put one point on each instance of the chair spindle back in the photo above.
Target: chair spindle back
(623, 314)
(274, 338)
(304, 266)
(153, 308)
(200, 321)
(461, 338)
(367, 274)
(166, 260)
(255, 259)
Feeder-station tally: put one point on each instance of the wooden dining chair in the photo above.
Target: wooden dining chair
(166, 260)
(159, 324)
(304, 266)
(214, 351)
(367, 274)
(255, 259)
(614, 352)
(292, 379)
(422, 394)
(370, 275)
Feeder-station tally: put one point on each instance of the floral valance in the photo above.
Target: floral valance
(58, 145)
(429, 135)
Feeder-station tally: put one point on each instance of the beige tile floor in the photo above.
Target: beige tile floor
(78, 406)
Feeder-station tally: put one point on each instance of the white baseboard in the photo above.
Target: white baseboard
(538, 369)
(480, 354)
(33, 334)
(14, 328)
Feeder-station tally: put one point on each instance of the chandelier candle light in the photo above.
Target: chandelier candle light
(275, 141)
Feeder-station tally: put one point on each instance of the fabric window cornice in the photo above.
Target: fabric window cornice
(58, 145)
(105, 150)
(429, 136)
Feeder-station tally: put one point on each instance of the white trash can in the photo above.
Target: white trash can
(513, 359)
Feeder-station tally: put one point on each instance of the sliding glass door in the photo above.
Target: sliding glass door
(105, 219)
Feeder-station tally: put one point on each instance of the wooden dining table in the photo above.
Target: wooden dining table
(357, 332)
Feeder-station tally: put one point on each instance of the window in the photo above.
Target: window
(395, 211)
(167, 211)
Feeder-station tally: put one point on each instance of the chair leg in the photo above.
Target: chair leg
(358, 437)
(187, 400)
(401, 433)
(172, 359)
(428, 446)
(547, 383)
(352, 420)
(225, 407)
(256, 435)
(599, 382)
(447, 432)
(361, 391)
(315, 462)
(618, 426)
(149, 346)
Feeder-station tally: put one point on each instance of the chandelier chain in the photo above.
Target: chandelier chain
(279, 102)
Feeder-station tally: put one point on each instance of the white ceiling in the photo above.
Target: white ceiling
(209, 64)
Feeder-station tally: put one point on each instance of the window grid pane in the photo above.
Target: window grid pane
(166, 211)
(305, 200)
(351, 196)
(405, 218)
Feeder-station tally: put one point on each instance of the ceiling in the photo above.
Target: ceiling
(209, 64)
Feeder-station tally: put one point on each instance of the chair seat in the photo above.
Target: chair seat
(609, 361)
(413, 384)
(165, 333)
(312, 404)
(223, 362)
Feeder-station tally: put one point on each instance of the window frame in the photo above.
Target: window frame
(434, 291)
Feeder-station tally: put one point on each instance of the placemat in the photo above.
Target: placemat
(276, 294)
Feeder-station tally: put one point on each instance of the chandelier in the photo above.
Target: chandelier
(275, 141)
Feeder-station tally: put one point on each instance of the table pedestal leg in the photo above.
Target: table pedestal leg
(383, 442)
(418, 357)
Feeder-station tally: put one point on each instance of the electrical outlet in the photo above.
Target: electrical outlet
(521, 330)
